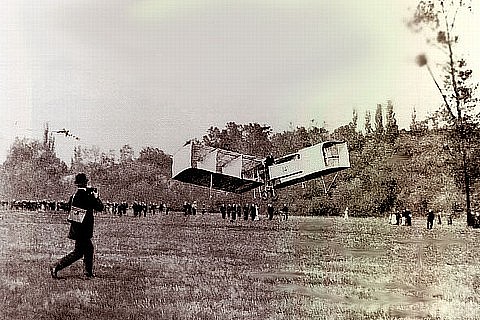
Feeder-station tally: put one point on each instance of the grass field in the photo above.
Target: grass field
(165, 267)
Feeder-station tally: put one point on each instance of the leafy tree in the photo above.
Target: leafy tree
(379, 129)
(349, 133)
(423, 171)
(252, 138)
(77, 160)
(126, 154)
(368, 123)
(296, 139)
(229, 138)
(391, 127)
(369, 188)
(213, 137)
(418, 127)
(232, 137)
(156, 158)
(437, 21)
(283, 143)
(256, 139)
(32, 171)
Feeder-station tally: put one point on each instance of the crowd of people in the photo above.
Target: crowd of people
(235, 211)
(139, 208)
(403, 217)
(431, 218)
(34, 205)
(230, 211)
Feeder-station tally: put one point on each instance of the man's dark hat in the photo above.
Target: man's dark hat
(81, 179)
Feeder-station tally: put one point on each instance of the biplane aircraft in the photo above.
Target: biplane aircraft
(235, 172)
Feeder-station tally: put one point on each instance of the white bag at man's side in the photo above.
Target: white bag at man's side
(76, 214)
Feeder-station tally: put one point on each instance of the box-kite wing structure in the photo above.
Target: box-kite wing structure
(235, 172)
(309, 163)
(216, 168)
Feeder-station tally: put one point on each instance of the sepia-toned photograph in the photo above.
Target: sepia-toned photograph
(218, 159)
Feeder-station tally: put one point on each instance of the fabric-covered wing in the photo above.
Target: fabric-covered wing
(309, 163)
(216, 168)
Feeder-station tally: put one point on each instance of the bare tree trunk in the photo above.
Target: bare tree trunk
(466, 177)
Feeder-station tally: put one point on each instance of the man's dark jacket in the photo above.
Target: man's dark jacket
(85, 200)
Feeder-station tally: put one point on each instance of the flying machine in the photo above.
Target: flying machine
(235, 172)
(67, 133)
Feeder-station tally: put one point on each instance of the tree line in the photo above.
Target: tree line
(390, 168)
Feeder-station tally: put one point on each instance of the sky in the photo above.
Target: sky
(160, 72)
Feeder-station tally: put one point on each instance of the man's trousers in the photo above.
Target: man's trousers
(83, 248)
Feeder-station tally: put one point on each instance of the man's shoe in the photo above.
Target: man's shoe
(53, 272)
(89, 275)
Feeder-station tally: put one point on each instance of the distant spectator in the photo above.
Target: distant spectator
(430, 219)
(239, 211)
(246, 210)
(270, 211)
(234, 213)
(223, 211)
(476, 219)
(194, 207)
(393, 218)
(408, 217)
(257, 216)
(397, 218)
(253, 212)
(285, 212)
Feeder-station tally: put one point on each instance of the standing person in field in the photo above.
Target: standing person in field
(239, 211)
(246, 210)
(430, 219)
(223, 211)
(88, 200)
(408, 217)
(194, 207)
(397, 217)
(234, 213)
(253, 211)
(270, 211)
(285, 212)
